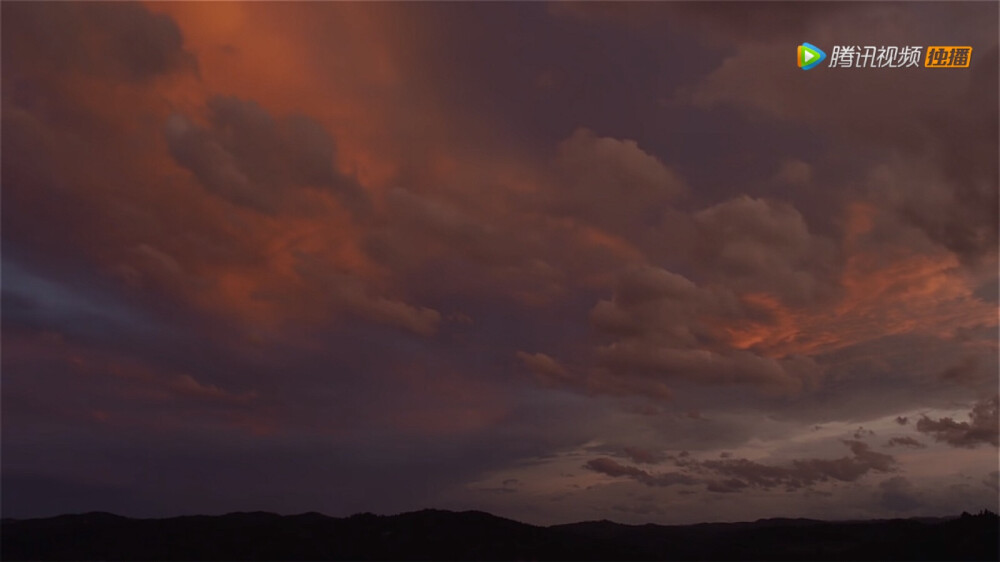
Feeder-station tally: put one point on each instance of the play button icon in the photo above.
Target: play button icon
(809, 55)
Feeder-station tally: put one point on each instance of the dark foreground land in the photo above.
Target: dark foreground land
(471, 535)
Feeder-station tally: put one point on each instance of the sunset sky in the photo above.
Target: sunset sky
(557, 262)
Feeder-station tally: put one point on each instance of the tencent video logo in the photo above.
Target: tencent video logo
(810, 55)
(886, 56)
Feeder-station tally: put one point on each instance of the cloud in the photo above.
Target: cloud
(730, 475)
(352, 295)
(277, 219)
(612, 184)
(941, 142)
(804, 472)
(542, 365)
(635, 454)
(641, 456)
(861, 433)
(610, 467)
(116, 208)
(795, 172)
(946, 204)
(664, 325)
(982, 427)
(252, 159)
(969, 370)
(728, 486)
(119, 41)
(905, 442)
(756, 245)
(187, 385)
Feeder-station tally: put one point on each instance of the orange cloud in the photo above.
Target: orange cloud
(884, 291)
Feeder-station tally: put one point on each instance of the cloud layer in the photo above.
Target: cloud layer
(376, 264)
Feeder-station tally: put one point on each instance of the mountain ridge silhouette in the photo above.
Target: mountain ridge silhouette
(434, 534)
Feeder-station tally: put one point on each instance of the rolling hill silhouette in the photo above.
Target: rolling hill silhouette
(474, 535)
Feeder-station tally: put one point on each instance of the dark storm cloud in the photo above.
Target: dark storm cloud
(250, 158)
(288, 219)
(982, 427)
(96, 199)
(123, 41)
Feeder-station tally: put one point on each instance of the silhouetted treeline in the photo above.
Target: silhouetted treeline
(471, 535)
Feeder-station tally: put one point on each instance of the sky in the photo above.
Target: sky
(557, 262)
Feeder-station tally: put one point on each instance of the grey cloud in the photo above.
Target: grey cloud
(949, 208)
(969, 370)
(737, 367)
(542, 365)
(905, 442)
(636, 454)
(439, 224)
(351, 293)
(980, 429)
(611, 467)
(946, 132)
(805, 472)
(642, 456)
(759, 245)
(861, 433)
(252, 159)
(963, 142)
(612, 184)
(664, 325)
(728, 486)
(735, 475)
